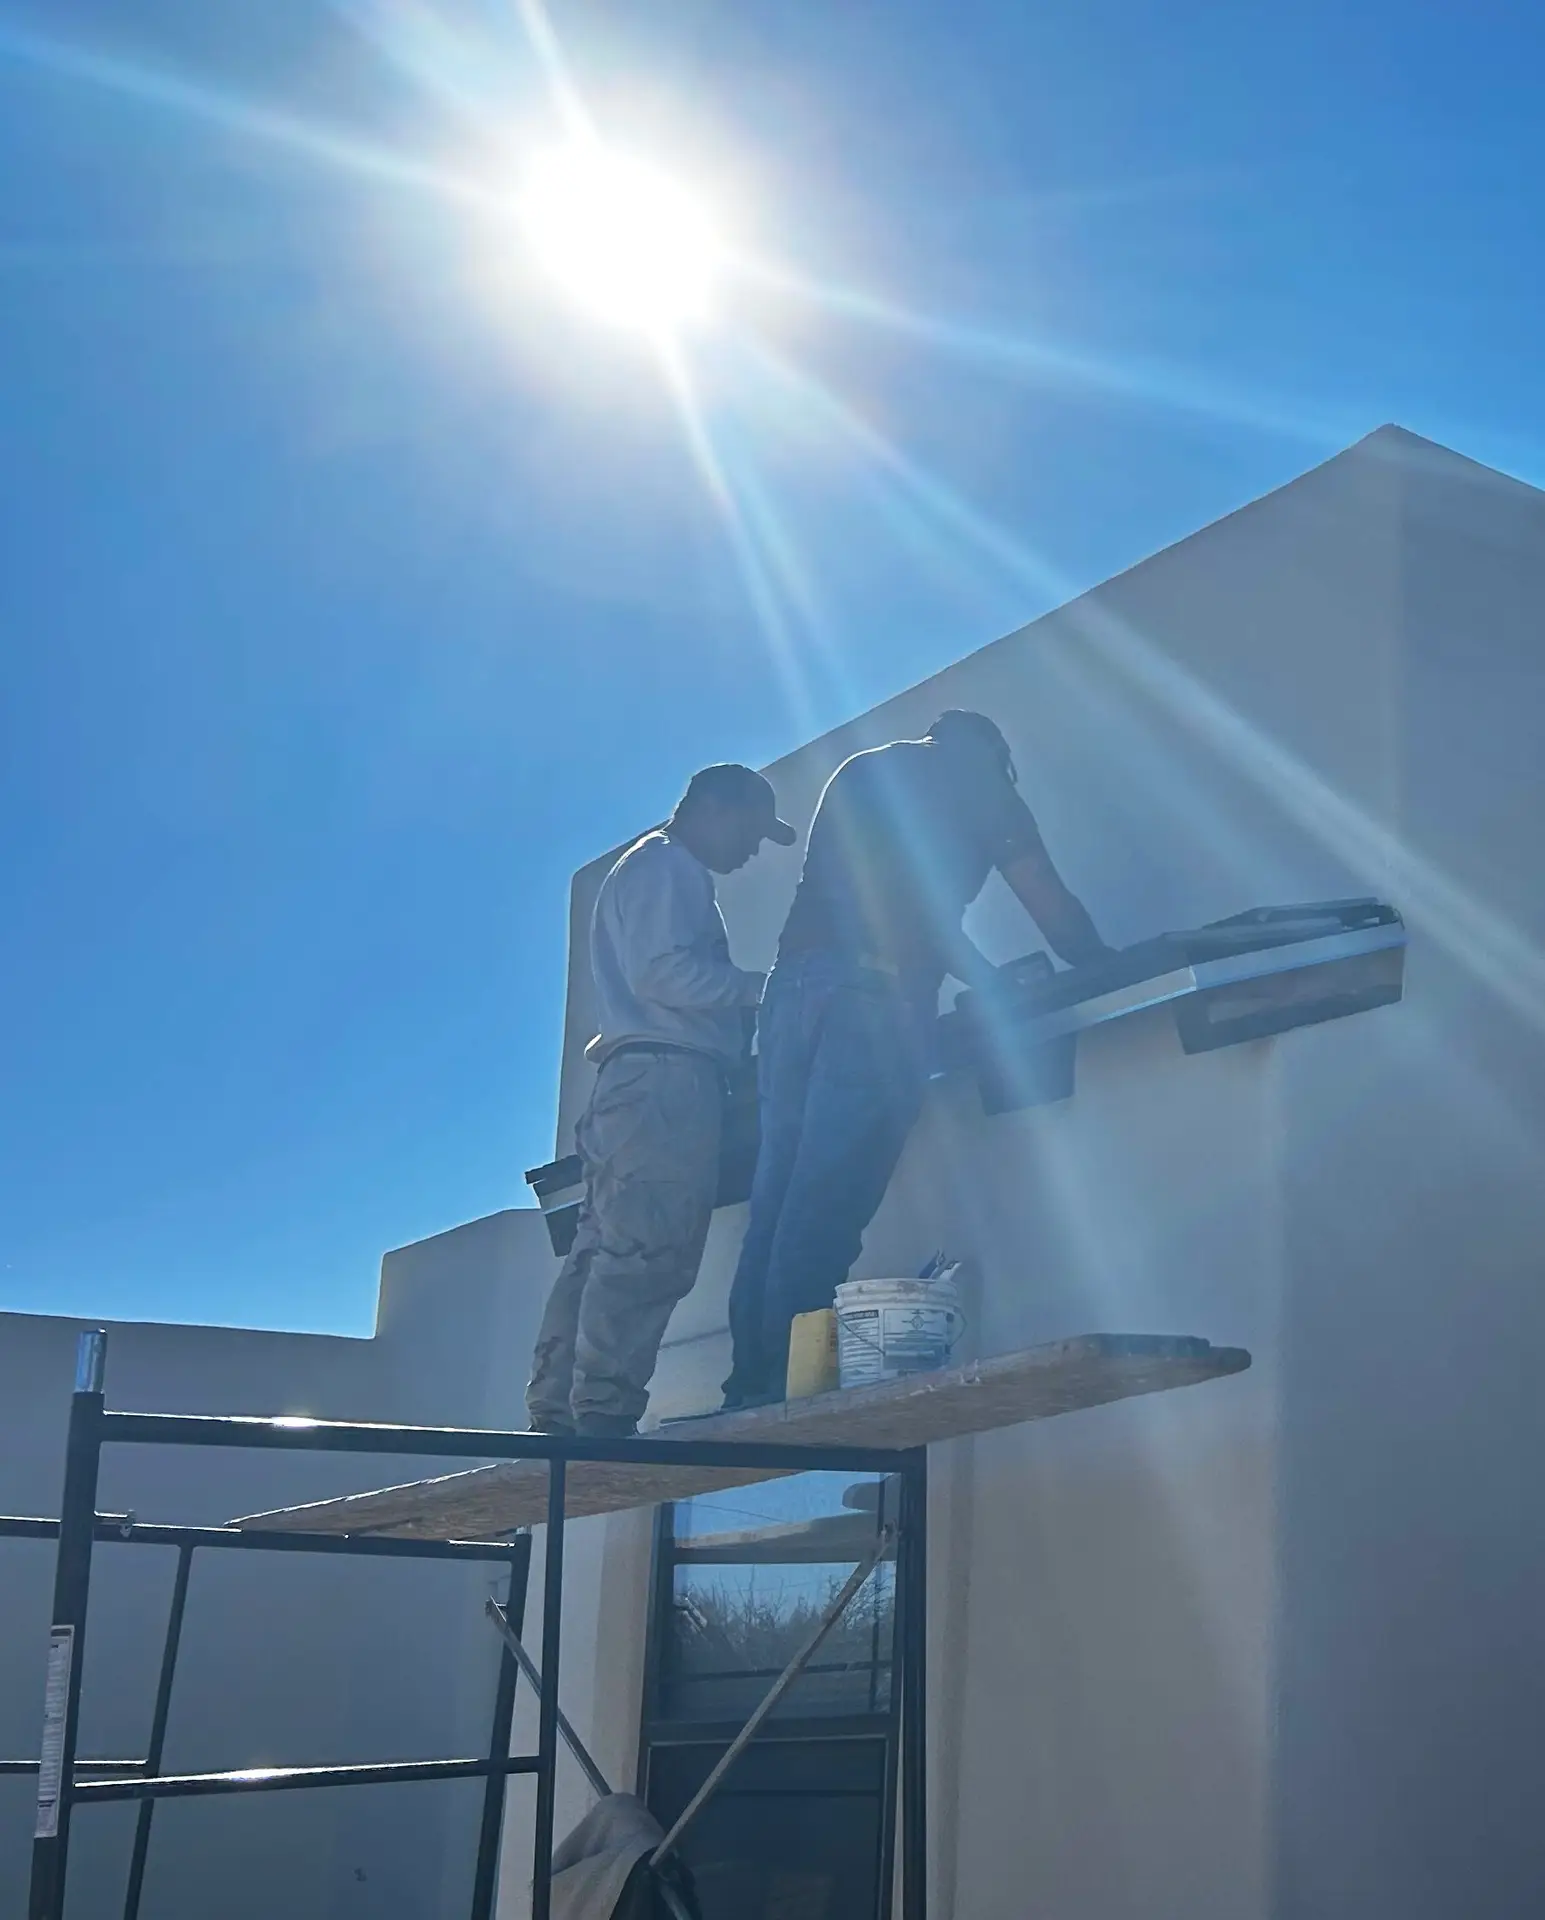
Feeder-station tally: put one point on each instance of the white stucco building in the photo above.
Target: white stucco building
(1265, 1648)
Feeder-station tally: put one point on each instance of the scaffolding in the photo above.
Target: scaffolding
(65, 1782)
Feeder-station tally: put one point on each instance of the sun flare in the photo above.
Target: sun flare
(621, 238)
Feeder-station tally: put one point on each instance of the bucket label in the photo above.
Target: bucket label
(915, 1339)
(56, 1701)
(886, 1341)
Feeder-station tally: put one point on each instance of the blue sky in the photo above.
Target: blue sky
(353, 590)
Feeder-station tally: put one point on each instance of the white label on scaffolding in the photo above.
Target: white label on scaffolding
(56, 1701)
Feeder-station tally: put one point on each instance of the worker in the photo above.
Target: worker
(674, 1016)
(903, 841)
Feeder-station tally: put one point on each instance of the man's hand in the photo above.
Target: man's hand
(1083, 947)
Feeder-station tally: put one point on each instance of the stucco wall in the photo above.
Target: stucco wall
(1412, 1572)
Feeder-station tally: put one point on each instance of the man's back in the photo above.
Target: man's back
(902, 842)
(660, 956)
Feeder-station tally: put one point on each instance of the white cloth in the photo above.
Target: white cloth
(591, 1867)
(660, 957)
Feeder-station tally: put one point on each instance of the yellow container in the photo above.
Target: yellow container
(812, 1355)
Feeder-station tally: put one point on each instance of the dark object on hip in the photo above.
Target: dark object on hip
(560, 1186)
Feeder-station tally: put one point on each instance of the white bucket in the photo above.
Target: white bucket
(887, 1328)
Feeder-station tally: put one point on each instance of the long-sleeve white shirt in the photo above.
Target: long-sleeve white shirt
(660, 956)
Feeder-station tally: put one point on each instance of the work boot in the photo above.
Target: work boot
(743, 1389)
(606, 1426)
(745, 1399)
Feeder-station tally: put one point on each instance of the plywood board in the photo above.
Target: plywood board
(1037, 1384)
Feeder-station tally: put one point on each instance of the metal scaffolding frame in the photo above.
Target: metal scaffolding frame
(63, 1782)
(127, 1777)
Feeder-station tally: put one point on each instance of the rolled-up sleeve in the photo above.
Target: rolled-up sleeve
(672, 947)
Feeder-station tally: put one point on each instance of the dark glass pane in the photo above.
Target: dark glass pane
(793, 1833)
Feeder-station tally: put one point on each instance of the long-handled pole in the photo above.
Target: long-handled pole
(485, 1878)
(779, 1688)
(529, 1668)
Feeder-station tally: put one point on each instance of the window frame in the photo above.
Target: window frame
(656, 1731)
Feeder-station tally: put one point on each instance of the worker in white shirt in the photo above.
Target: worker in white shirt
(674, 1015)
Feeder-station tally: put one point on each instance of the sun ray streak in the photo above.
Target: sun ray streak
(805, 431)
(948, 509)
(566, 97)
(231, 113)
(1047, 363)
(420, 42)
(767, 603)
(771, 533)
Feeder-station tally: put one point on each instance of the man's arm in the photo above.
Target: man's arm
(671, 948)
(1061, 916)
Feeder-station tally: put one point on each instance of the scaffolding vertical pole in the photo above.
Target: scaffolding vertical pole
(67, 1635)
(885, 1879)
(485, 1883)
(547, 1719)
(912, 1630)
(158, 1720)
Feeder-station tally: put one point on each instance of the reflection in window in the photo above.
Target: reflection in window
(752, 1572)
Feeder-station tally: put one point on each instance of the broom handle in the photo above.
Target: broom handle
(528, 1667)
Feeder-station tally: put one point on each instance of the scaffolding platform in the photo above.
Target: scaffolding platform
(1035, 1384)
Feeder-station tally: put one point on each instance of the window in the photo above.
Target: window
(800, 1829)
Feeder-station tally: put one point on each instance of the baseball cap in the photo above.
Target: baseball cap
(733, 785)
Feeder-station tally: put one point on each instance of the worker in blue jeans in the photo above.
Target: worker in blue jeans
(902, 842)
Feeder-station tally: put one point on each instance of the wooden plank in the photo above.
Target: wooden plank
(1037, 1384)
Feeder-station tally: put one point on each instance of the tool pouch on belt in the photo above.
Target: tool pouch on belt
(559, 1187)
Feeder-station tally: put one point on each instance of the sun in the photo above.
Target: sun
(621, 238)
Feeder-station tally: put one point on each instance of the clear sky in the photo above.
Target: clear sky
(354, 588)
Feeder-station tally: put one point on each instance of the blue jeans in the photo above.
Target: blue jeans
(843, 1063)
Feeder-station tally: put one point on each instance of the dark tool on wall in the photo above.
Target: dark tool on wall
(1255, 974)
